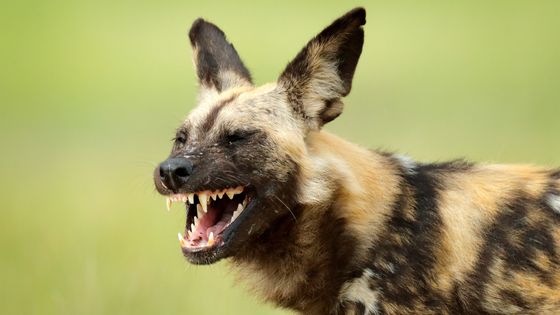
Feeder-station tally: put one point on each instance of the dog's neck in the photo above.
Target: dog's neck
(303, 261)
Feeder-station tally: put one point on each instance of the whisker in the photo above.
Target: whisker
(293, 215)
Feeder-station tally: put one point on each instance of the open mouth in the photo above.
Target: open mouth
(209, 214)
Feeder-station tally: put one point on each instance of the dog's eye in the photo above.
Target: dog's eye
(235, 137)
(238, 136)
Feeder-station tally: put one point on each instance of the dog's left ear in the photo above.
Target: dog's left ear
(321, 74)
(218, 66)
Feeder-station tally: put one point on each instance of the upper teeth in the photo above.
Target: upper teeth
(199, 212)
(204, 197)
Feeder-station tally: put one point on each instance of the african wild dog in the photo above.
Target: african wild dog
(322, 226)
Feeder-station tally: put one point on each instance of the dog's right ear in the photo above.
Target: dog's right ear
(321, 74)
(218, 66)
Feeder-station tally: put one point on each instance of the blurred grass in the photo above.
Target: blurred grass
(91, 91)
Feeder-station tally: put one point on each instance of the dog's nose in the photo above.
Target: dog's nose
(174, 172)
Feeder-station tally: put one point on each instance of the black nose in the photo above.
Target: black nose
(174, 172)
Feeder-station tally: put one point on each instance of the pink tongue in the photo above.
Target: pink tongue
(209, 222)
(220, 226)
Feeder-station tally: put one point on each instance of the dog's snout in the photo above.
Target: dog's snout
(174, 172)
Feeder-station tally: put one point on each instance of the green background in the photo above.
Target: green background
(91, 92)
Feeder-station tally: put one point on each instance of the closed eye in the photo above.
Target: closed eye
(238, 136)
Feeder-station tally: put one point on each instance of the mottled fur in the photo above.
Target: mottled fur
(345, 230)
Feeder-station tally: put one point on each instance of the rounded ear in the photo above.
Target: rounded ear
(321, 73)
(218, 66)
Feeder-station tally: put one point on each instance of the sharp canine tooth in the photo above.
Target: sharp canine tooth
(230, 194)
(199, 212)
(190, 197)
(203, 199)
(168, 203)
(235, 215)
(193, 227)
(181, 240)
(210, 239)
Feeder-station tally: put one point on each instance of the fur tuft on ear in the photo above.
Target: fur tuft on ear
(218, 66)
(322, 71)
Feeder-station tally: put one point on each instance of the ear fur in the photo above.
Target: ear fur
(218, 66)
(322, 71)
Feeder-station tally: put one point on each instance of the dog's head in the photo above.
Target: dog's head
(236, 158)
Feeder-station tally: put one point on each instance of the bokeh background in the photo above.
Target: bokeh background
(91, 92)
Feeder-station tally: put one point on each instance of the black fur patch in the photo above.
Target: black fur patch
(449, 166)
(514, 298)
(404, 256)
(214, 55)
(213, 114)
(360, 308)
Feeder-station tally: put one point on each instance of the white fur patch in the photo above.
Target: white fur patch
(554, 202)
(315, 188)
(318, 187)
(406, 162)
(358, 290)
